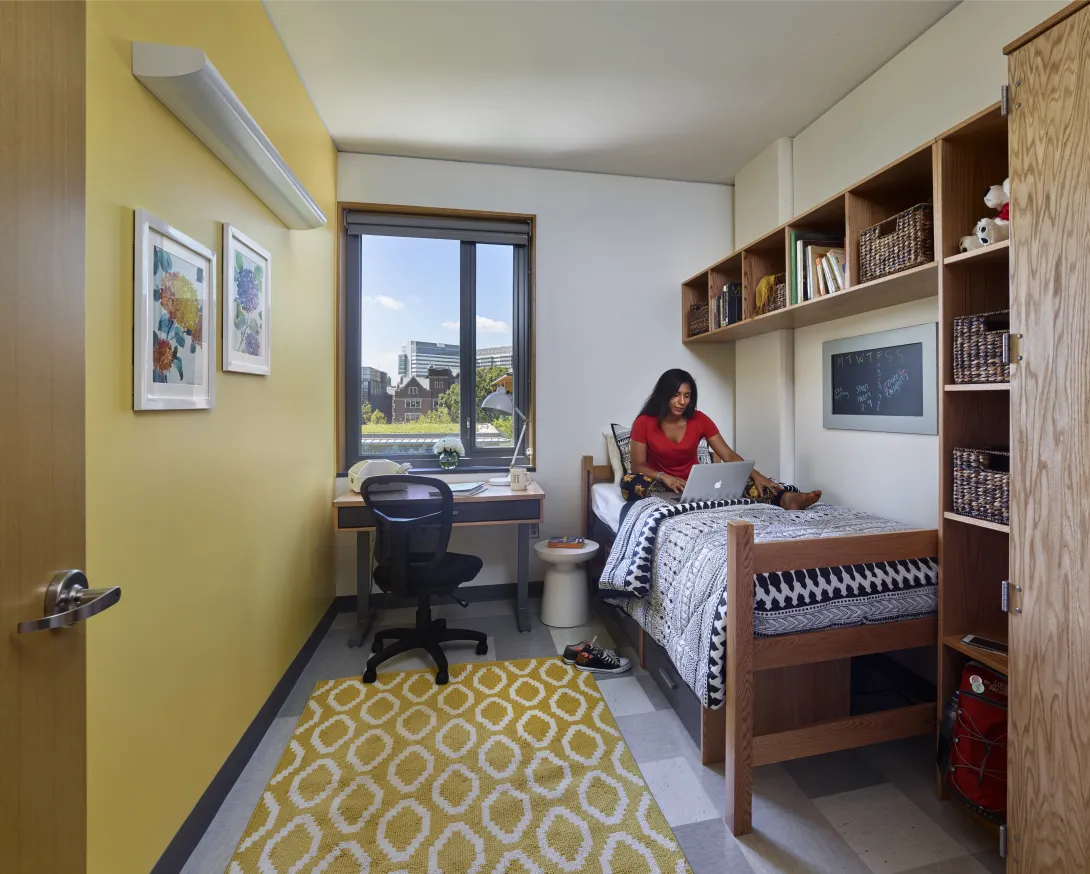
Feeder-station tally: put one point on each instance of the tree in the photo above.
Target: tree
(451, 400)
(435, 417)
(365, 411)
(377, 418)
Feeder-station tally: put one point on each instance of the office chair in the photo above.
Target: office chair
(411, 559)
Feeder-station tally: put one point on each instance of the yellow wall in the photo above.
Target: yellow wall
(215, 523)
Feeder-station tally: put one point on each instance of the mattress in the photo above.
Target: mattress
(607, 503)
(667, 570)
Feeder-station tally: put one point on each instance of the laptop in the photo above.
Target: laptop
(723, 481)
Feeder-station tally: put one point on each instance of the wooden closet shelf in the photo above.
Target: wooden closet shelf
(980, 523)
(994, 660)
(992, 254)
(979, 386)
(909, 285)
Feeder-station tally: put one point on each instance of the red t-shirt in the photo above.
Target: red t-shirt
(663, 454)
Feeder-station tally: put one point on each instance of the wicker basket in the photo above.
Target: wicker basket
(980, 348)
(778, 299)
(698, 319)
(982, 484)
(901, 242)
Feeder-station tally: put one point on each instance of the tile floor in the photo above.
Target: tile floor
(866, 811)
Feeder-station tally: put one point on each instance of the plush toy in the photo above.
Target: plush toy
(969, 243)
(998, 197)
(990, 231)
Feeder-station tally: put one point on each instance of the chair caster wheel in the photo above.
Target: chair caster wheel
(482, 649)
(376, 646)
(441, 678)
(369, 676)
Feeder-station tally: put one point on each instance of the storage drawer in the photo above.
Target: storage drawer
(685, 704)
(465, 512)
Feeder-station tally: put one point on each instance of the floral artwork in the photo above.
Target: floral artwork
(246, 312)
(177, 336)
(174, 319)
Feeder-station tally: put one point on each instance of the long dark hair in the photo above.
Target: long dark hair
(658, 403)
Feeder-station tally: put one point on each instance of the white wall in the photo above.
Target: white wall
(763, 193)
(611, 253)
(951, 72)
(764, 368)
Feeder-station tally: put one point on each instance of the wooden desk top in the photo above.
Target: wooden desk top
(490, 493)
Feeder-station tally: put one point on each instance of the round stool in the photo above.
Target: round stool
(564, 603)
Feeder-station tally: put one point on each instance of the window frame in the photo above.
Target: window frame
(407, 220)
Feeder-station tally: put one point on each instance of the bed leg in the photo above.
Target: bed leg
(641, 643)
(738, 713)
(713, 735)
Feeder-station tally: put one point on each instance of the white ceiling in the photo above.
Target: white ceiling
(668, 89)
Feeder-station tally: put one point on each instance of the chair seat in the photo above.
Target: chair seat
(454, 570)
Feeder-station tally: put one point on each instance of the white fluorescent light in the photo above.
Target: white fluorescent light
(188, 85)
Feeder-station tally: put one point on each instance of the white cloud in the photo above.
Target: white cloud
(485, 325)
(388, 302)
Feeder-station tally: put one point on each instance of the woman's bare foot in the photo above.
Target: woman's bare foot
(799, 500)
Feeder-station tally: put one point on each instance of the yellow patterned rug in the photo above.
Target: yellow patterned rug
(512, 768)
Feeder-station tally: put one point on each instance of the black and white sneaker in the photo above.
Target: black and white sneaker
(596, 660)
(573, 649)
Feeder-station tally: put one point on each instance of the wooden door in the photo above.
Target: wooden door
(42, 708)
(1049, 754)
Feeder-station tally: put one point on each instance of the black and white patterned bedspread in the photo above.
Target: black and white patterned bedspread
(667, 570)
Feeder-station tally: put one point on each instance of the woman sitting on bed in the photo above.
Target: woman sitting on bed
(665, 438)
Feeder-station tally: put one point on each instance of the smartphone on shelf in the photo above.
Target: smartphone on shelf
(987, 643)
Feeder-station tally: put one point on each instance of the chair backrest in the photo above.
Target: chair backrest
(412, 523)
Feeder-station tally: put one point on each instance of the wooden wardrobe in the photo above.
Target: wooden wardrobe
(1049, 623)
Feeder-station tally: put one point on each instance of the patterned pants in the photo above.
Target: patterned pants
(635, 486)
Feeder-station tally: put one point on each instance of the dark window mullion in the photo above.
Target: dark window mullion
(353, 412)
(468, 345)
(520, 359)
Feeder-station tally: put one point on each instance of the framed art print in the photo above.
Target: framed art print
(174, 318)
(247, 283)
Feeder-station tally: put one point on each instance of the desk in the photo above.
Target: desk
(496, 505)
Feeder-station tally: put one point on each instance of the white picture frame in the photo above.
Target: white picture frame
(247, 304)
(174, 318)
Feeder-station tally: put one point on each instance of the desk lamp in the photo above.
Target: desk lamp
(502, 402)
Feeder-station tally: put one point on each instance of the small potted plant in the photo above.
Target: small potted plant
(449, 450)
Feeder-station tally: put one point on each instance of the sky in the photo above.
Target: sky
(410, 292)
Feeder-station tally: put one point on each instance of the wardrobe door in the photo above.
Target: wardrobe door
(1049, 753)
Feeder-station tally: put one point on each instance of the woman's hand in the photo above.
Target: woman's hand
(764, 484)
(674, 483)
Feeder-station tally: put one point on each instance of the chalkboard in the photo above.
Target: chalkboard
(884, 381)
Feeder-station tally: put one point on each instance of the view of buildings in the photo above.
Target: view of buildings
(418, 355)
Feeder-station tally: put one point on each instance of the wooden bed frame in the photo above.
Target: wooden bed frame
(789, 697)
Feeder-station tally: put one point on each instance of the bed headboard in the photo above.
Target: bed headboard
(591, 473)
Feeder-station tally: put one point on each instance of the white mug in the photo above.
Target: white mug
(520, 479)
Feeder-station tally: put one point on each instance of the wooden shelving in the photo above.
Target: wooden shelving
(980, 523)
(978, 386)
(995, 252)
(994, 660)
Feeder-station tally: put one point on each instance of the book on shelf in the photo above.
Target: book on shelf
(828, 275)
(837, 263)
(822, 288)
(566, 543)
(727, 306)
(797, 273)
(814, 278)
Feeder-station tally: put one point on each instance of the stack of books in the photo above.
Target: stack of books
(463, 489)
(727, 306)
(565, 543)
(818, 267)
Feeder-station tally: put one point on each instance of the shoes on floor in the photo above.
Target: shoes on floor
(598, 660)
(573, 649)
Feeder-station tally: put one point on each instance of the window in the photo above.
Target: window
(444, 303)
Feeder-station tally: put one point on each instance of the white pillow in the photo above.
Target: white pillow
(614, 454)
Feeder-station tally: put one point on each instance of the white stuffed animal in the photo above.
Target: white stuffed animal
(998, 197)
(990, 231)
(969, 243)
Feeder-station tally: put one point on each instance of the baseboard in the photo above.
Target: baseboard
(494, 592)
(204, 811)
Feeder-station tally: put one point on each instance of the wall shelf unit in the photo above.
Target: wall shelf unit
(994, 660)
(980, 523)
(998, 252)
(979, 386)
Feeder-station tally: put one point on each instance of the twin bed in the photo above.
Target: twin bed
(758, 612)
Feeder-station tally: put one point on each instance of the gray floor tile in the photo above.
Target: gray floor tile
(677, 791)
(514, 644)
(832, 773)
(653, 692)
(789, 834)
(991, 861)
(624, 695)
(910, 766)
(344, 620)
(215, 849)
(476, 609)
(654, 736)
(332, 660)
(711, 849)
(963, 865)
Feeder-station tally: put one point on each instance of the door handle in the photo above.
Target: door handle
(68, 600)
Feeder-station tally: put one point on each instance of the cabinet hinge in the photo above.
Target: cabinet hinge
(1002, 842)
(1012, 348)
(1005, 596)
(1004, 101)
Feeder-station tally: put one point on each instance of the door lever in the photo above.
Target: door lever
(68, 600)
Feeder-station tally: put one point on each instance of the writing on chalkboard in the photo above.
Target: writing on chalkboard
(885, 381)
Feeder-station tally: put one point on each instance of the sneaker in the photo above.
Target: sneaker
(573, 649)
(597, 660)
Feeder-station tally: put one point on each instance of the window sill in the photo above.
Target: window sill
(457, 471)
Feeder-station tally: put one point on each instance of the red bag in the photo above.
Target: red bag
(977, 773)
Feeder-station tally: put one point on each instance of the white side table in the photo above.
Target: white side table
(565, 603)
